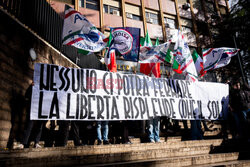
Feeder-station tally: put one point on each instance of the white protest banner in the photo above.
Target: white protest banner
(61, 93)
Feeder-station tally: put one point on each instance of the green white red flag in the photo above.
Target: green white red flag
(198, 62)
(151, 67)
(170, 59)
(110, 56)
(184, 58)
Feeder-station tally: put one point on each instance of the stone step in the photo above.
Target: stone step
(237, 163)
(211, 133)
(165, 148)
(124, 159)
(173, 139)
(138, 151)
(133, 140)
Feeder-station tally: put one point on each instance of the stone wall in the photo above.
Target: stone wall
(16, 73)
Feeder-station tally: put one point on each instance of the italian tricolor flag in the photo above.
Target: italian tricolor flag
(110, 56)
(198, 62)
(170, 59)
(148, 68)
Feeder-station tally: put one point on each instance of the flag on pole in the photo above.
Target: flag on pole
(198, 62)
(217, 57)
(184, 58)
(80, 33)
(151, 67)
(147, 40)
(170, 59)
(154, 54)
(157, 67)
(126, 40)
(157, 42)
(110, 56)
(110, 60)
(146, 68)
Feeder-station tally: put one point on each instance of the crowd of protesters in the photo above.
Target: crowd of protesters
(57, 133)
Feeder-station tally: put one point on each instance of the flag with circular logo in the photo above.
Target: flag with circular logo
(126, 40)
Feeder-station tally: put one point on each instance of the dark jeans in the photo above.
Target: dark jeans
(29, 128)
(196, 132)
(63, 134)
(125, 131)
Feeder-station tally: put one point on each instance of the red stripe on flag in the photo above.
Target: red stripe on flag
(210, 50)
(178, 70)
(145, 68)
(160, 58)
(183, 68)
(156, 70)
(178, 53)
(74, 41)
(70, 13)
(112, 66)
(193, 79)
(231, 52)
(106, 40)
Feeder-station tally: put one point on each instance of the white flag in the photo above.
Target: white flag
(80, 33)
(184, 58)
(154, 54)
(217, 57)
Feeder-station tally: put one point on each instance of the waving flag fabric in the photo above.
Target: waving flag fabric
(148, 68)
(184, 58)
(217, 57)
(170, 59)
(110, 56)
(157, 42)
(147, 40)
(198, 62)
(80, 33)
(110, 60)
(157, 68)
(154, 54)
(126, 40)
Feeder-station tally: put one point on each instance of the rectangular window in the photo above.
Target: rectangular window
(186, 29)
(106, 8)
(81, 3)
(170, 23)
(133, 16)
(152, 18)
(90, 4)
(114, 10)
(111, 10)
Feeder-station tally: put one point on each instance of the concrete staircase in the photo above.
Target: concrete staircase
(171, 152)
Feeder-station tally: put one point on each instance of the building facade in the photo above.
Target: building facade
(33, 24)
(161, 18)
